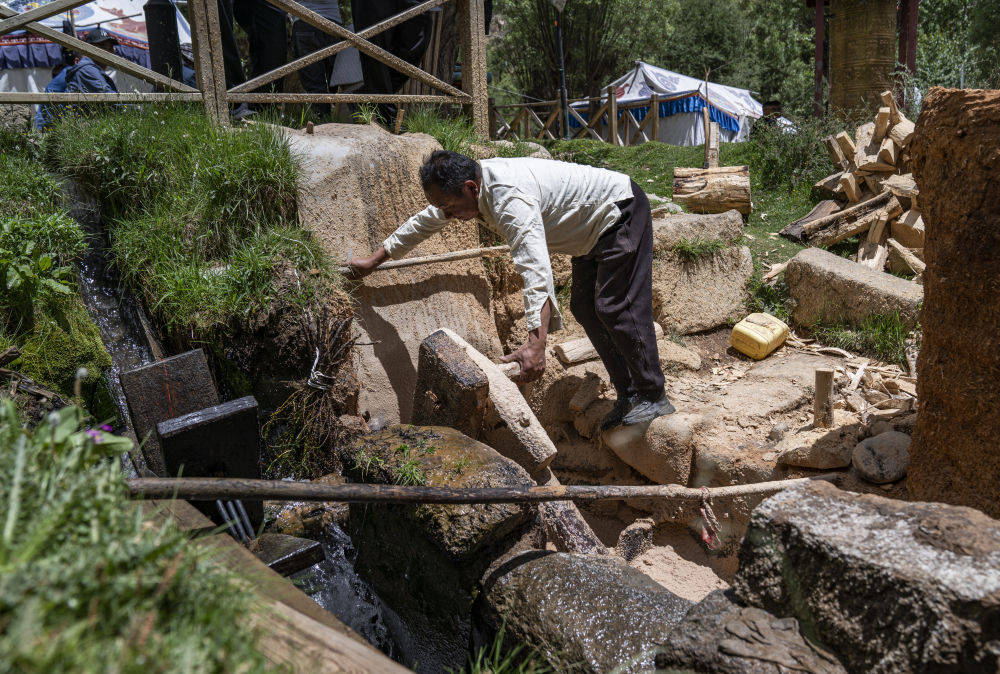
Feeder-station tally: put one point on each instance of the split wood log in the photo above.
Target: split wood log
(865, 150)
(874, 251)
(713, 190)
(850, 184)
(823, 402)
(774, 271)
(881, 124)
(578, 350)
(902, 186)
(889, 101)
(829, 187)
(846, 145)
(712, 144)
(793, 230)
(441, 257)
(213, 488)
(837, 157)
(848, 227)
(814, 231)
(564, 524)
(907, 256)
(873, 184)
(909, 229)
(887, 152)
(902, 132)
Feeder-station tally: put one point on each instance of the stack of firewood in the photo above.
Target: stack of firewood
(872, 194)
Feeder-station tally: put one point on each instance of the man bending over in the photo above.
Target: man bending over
(540, 206)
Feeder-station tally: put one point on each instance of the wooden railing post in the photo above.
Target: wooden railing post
(654, 110)
(472, 20)
(612, 116)
(209, 66)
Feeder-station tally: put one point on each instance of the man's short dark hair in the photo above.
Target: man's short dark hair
(448, 171)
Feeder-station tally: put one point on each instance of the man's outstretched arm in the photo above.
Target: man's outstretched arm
(531, 356)
(363, 266)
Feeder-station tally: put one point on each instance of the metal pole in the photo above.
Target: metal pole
(563, 98)
(164, 45)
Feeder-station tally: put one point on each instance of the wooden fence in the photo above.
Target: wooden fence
(611, 122)
(211, 90)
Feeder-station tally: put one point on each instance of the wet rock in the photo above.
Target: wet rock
(886, 586)
(310, 519)
(696, 295)
(720, 636)
(883, 458)
(287, 554)
(579, 612)
(425, 561)
(955, 164)
(660, 449)
(828, 288)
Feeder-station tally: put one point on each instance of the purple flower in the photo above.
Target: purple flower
(95, 435)
(106, 428)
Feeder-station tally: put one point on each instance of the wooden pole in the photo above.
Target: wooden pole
(654, 110)
(818, 74)
(211, 488)
(472, 23)
(612, 115)
(823, 402)
(441, 257)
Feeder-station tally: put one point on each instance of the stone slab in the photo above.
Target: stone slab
(451, 389)
(697, 295)
(287, 554)
(831, 289)
(218, 441)
(885, 585)
(581, 613)
(670, 229)
(163, 390)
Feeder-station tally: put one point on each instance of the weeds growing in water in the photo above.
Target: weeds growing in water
(89, 583)
(880, 336)
(691, 250)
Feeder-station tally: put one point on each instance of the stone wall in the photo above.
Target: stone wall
(956, 163)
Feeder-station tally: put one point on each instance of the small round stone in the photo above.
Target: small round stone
(883, 458)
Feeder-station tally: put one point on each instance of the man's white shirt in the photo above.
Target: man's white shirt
(539, 206)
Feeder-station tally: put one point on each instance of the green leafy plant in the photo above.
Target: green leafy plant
(496, 659)
(367, 113)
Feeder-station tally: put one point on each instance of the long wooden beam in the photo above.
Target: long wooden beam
(330, 50)
(152, 97)
(210, 489)
(38, 14)
(344, 98)
(98, 54)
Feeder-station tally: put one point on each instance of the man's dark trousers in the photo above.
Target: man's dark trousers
(612, 298)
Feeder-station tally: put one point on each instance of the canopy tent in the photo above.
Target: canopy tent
(682, 100)
(26, 60)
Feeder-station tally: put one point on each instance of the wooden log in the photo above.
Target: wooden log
(864, 147)
(613, 116)
(711, 143)
(823, 401)
(850, 184)
(837, 157)
(873, 250)
(565, 525)
(213, 488)
(694, 172)
(907, 256)
(902, 132)
(846, 145)
(908, 230)
(872, 183)
(902, 186)
(881, 124)
(430, 259)
(855, 211)
(887, 152)
(889, 101)
(794, 229)
(713, 191)
(844, 225)
(829, 188)
(579, 350)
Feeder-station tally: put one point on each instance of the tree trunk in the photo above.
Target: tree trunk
(713, 190)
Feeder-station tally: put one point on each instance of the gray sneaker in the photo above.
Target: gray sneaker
(643, 410)
(614, 417)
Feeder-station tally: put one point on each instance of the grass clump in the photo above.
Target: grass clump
(202, 219)
(456, 133)
(87, 584)
(496, 659)
(880, 336)
(691, 250)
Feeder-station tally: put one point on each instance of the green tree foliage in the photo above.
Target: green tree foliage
(958, 43)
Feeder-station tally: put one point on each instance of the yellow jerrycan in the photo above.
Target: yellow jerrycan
(757, 335)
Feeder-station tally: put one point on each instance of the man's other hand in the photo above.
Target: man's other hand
(531, 358)
(361, 267)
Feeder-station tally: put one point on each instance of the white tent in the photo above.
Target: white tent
(682, 100)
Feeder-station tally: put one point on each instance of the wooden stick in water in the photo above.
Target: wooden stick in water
(211, 488)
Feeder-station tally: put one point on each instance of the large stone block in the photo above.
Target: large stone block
(426, 561)
(720, 636)
(695, 295)
(451, 389)
(163, 390)
(582, 613)
(830, 289)
(669, 230)
(887, 586)
(956, 163)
